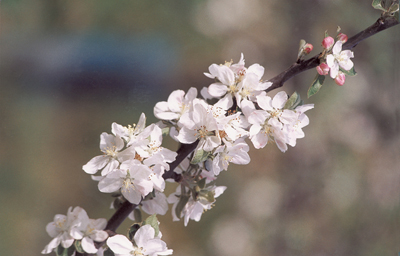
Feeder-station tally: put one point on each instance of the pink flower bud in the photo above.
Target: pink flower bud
(342, 37)
(308, 48)
(340, 79)
(328, 42)
(323, 69)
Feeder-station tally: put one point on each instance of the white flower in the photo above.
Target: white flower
(133, 180)
(178, 103)
(194, 208)
(199, 124)
(339, 58)
(111, 146)
(129, 133)
(88, 231)
(230, 153)
(63, 227)
(145, 240)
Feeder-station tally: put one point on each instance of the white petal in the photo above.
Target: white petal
(279, 100)
(88, 245)
(120, 244)
(217, 90)
(95, 164)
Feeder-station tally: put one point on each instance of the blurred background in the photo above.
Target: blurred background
(68, 69)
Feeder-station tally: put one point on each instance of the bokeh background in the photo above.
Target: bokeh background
(69, 68)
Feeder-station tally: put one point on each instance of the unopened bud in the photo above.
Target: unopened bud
(342, 37)
(323, 69)
(340, 79)
(308, 48)
(328, 42)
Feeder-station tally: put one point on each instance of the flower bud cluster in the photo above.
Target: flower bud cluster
(335, 61)
(75, 231)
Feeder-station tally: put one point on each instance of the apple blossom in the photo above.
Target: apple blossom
(328, 42)
(338, 59)
(340, 79)
(323, 69)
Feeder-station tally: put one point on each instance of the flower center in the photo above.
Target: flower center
(128, 182)
(111, 151)
(137, 252)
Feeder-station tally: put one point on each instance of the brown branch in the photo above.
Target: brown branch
(303, 65)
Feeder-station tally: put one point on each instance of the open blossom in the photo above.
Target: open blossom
(194, 208)
(199, 125)
(112, 147)
(234, 80)
(133, 179)
(178, 104)
(338, 59)
(130, 133)
(146, 243)
(75, 225)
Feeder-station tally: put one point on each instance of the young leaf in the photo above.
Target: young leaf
(350, 72)
(108, 252)
(199, 156)
(152, 221)
(61, 251)
(181, 204)
(377, 4)
(301, 48)
(78, 246)
(132, 231)
(293, 101)
(316, 85)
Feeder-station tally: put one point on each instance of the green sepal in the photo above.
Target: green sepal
(152, 221)
(61, 251)
(132, 231)
(326, 33)
(393, 9)
(350, 72)
(78, 246)
(209, 196)
(293, 101)
(316, 85)
(377, 4)
(183, 199)
(199, 156)
(396, 16)
(202, 183)
(108, 252)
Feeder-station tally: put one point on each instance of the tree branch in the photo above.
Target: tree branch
(303, 65)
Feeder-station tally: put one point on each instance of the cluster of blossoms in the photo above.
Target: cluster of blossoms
(75, 230)
(133, 161)
(336, 60)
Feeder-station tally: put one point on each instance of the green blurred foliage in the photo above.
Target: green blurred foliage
(69, 69)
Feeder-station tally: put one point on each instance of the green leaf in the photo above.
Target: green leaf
(316, 85)
(350, 72)
(61, 251)
(137, 214)
(396, 16)
(393, 8)
(78, 246)
(202, 183)
(199, 156)
(181, 204)
(153, 221)
(165, 131)
(293, 101)
(377, 4)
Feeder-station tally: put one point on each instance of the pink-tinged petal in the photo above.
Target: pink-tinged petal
(111, 166)
(281, 145)
(88, 245)
(120, 244)
(95, 164)
(217, 90)
(279, 100)
(254, 129)
(260, 140)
